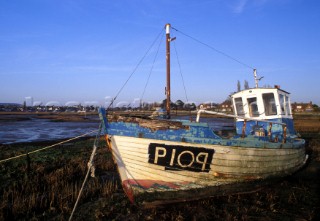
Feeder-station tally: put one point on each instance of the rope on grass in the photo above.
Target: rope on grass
(90, 168)
(47, 147)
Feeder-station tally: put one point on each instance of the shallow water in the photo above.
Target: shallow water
(42, 129)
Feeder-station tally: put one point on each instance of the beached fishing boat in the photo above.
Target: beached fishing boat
(165, 160)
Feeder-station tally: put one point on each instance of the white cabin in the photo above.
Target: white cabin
(262, 103)
(260, 107)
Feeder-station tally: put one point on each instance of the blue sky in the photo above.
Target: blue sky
(64, 51)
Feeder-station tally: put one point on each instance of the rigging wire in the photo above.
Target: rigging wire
(184, 87)
(214, 49)
(135, 69)
(154, 60)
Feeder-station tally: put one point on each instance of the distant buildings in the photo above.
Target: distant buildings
(10, 107)
(13, 107)
(303, 107)
(225, 107)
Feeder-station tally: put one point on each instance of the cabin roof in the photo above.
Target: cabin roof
(260, 90)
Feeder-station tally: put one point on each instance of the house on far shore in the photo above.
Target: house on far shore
(225, 107)
(209, 106)
(302, 107)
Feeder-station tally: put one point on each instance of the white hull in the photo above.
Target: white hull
(229, 165)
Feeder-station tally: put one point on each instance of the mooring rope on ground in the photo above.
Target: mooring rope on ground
(47, 147)
(90, 168)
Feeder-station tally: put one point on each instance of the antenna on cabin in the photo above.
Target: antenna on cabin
(256, 79)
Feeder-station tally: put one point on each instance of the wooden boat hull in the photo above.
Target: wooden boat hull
(158, 171)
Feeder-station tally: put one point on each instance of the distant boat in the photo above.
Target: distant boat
(163, 160)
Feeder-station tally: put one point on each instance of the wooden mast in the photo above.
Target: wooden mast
(168, 70)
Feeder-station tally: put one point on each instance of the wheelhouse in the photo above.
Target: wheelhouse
(267, 110)
(262, 103)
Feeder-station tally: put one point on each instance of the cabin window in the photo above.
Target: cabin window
(282, 103)
(288, 105)
(239, 106)
(269, 104)
(253, 107)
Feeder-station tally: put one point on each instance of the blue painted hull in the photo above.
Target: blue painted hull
(199, 133)
(276, 131)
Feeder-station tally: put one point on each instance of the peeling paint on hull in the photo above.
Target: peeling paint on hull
(180, 161)
(145, 183)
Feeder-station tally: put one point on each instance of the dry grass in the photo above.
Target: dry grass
(307, 123)
(49, 182)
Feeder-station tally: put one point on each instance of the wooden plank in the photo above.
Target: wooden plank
(275, 157)
(259, 170)
(143, 173)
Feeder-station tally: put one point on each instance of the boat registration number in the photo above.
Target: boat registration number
(176, 157)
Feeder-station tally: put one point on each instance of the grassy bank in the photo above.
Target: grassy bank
(305, 123)
(46, 184)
